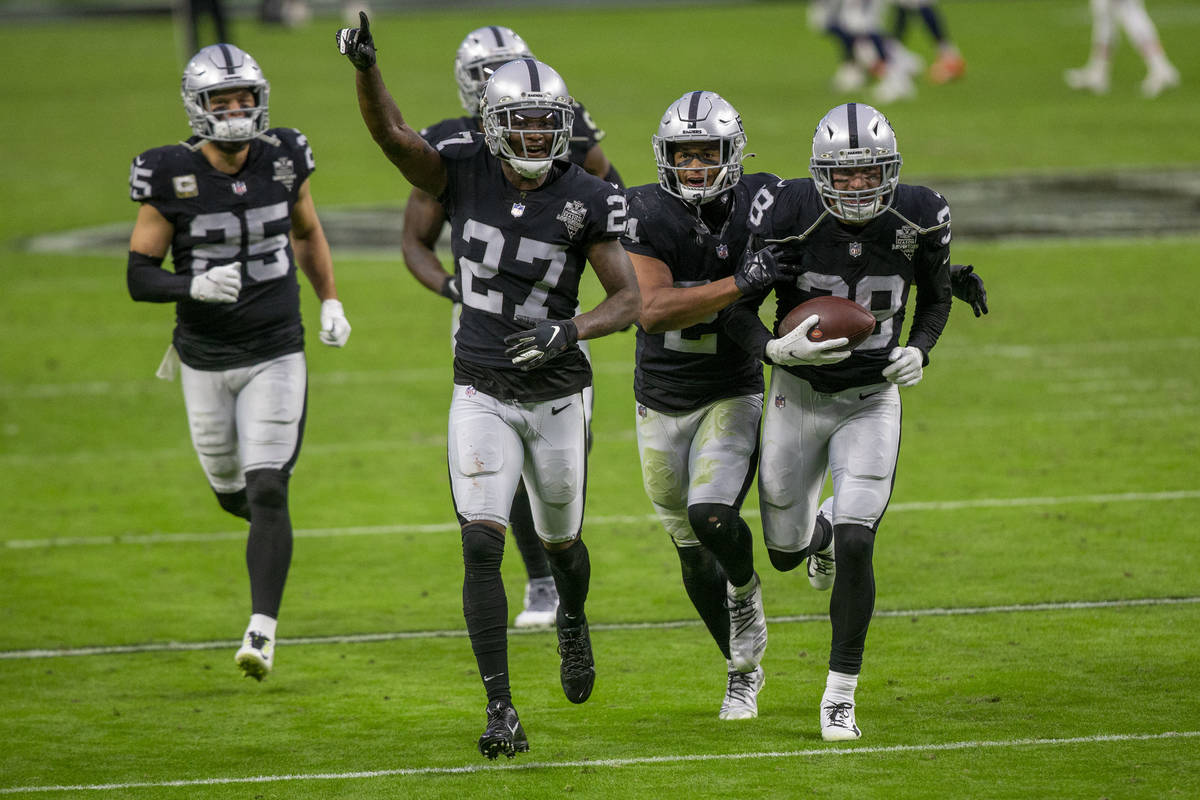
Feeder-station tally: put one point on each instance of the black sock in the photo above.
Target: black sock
(485, 606)
(821, 537)
(572, 570)
(720, 529)
(853, 598)
(520, 520)
(704, 581)
(269, 545)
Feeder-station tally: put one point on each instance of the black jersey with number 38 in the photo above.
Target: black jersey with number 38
(687, 369)
(521, 255)
(874, 265)
(219, 219)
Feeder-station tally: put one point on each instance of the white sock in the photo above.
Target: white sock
(262, 624)
(839, 687)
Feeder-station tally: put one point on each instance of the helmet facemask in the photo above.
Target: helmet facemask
(527, 116)
(699, 118)
(855, 136)
(221, 68)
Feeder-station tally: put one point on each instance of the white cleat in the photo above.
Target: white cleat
(895, 85)
(541, 604)
(850, 77)
(741, 694)
(821, 565)
(256, 656)
(1160, 79)
(837, 721)
(747, 627)
(1092, 78)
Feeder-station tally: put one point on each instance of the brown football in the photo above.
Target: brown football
(838, 317)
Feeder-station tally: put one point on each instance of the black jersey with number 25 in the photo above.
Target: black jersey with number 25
(219, 219)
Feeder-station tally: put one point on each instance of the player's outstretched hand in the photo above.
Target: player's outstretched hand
(357, 45)
(335, 329)
(905, 369)
(796, 348)
(218, 284)
(967, 285)
(534, 347)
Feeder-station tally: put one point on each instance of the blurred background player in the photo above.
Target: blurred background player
(1094, 76)
(524, 227)
(699, 395)
(866, 52)
(481, 52)
(233, 206)
(949, 64)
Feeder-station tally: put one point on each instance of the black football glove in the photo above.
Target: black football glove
(968, 287)
(357, 45)
(451, 289)
(759, 270)
(534, 347)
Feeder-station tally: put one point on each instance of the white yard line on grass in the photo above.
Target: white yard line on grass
(363, 638)
(846, 751)
(447, 527)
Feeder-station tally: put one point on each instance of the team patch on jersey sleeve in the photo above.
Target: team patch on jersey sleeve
(572, 217)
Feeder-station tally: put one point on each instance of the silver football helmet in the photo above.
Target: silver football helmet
(218, 68)
(524, 102)
(700, 117)
(849, 136)
(480, 54)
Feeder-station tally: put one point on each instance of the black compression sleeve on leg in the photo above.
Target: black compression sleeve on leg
(572, 570)
(520, 519)
(853, 599)
(722, 531)
(705, 581)
(235, 503)
(269, 545)
(485, 606)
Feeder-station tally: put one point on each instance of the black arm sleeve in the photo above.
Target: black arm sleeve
(740, 321)
(149, 282)
(932, 309)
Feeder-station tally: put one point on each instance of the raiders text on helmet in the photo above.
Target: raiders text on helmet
(522, 99)
(481, 53)
(700, 117)
(218, 68)
(854, 135)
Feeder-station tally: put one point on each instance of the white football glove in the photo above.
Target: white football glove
(218, 285)
(795, 347)
(335, 330)
(905, 369)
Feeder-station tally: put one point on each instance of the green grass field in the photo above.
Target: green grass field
(1038, 571)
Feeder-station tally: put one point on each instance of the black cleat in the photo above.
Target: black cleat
(578, 667)
(503, 733)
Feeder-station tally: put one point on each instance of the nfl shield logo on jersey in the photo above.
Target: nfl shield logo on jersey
(239, 187)
(722, 251)
(780, 401)
(855, 249)
(518, 209)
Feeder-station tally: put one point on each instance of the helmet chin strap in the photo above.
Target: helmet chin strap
(708, 193)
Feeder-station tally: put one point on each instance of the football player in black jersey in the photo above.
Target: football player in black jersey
(853, 231)
(482, 51)
(229, 203)
(699, 395)
(523, 227)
